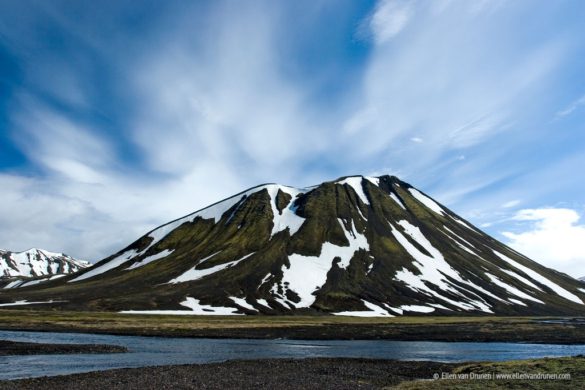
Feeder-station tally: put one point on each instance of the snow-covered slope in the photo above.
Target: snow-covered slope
(36, 263)
(363, 246)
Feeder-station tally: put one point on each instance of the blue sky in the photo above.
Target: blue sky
(117, 116)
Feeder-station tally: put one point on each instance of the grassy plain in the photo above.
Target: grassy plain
(479, 328)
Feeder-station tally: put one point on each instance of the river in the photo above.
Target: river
(152, 351)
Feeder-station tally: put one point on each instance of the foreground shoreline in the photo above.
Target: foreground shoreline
(17, 348)
(537, 330)
(325, 373)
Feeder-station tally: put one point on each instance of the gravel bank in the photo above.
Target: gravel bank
(19, 348)
(256, 374)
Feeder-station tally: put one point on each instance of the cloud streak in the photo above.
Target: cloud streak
(390, 18)
(554, 238)
(571, 107)
(128, 120)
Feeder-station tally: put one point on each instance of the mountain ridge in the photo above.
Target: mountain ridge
(34, 265)
(357, 245)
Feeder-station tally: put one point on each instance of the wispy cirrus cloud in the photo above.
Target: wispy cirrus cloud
(449, 85)
(389, 18)
(576, 104)
(59, 144)
(129, 119)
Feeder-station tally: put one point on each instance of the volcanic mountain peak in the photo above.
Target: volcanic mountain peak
(358, 245)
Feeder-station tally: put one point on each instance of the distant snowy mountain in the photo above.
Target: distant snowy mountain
(358, 246)
(37, 264)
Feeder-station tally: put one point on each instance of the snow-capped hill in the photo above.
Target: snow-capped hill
(358, 245)
(35, 263)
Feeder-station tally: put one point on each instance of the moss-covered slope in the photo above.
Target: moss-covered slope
(357, 246)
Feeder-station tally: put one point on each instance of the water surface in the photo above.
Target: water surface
(152, 351)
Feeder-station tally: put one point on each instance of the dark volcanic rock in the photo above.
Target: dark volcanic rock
(257, 374)
(20, 348)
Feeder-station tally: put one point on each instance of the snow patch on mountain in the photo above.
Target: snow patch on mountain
(19, 283)
(511, 289)
(265, 279)
(356, 240)
(194, 273)
(460, 245)
(14, 284)
(517, 302)
(150, 259)
(520, 278)
(361, 214)
(375, 311)
(263, 302)
(433, 269)
(216, 211)
(242, 303)
(203, 260)
(287, 218)
(109, 265)
(374, 180)
(417, 308)
(355, 182)
(199, 308)
(458, 237)
(196, 309)
(462, 223)
(32, 282)
(25, 302)
(540, 279)
(37, 262)
(428, 202)
(306, 274)
(398, 201)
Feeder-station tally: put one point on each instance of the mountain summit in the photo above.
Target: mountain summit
(17, 267)
(361, 246)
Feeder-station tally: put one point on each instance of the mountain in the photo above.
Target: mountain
(18, 269)
(361, 246)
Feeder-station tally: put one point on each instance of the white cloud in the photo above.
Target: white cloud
(474, 132)
(209, 122)
(571, 107)
(511, 203)
(454, 83)
(232, 104)
(212, 110)
(389, 18)
(446, 84)
(59, 144)
(361, 120)
(553, 237)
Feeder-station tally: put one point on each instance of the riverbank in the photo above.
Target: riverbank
(542, 330)
(11, 348)
(324, 374)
